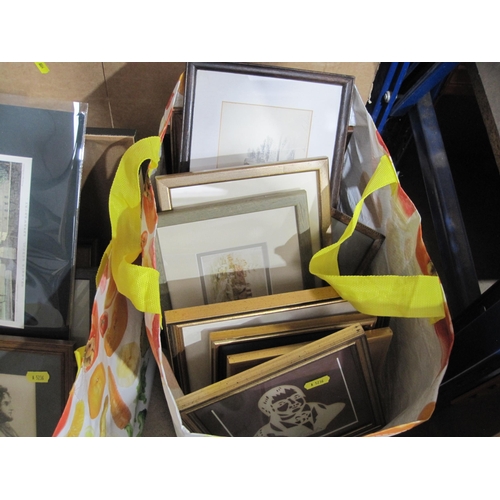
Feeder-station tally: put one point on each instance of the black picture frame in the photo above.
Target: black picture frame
(52, 135)
(38, 375)
(264, 72)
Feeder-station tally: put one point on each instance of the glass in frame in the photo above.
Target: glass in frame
(236, 114)
(234, 249)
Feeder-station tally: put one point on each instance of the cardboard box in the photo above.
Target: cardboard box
(132, 95)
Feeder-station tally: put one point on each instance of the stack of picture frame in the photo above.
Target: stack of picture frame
(251, 193)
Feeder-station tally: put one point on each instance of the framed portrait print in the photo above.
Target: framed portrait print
(188, 329)
(36, 376)
(200, 188)
(236, 249)
(242, 114)
(325, 388)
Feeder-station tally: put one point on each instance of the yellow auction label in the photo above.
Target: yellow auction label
(38, 377)
(316, 383)
(42, 67)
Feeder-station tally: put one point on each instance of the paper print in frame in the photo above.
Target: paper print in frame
(188, 329)
(52, 134)
(15, 185)
(379, 340)
(234, 250)
(36, 376)
(325, 388)
(236, 114)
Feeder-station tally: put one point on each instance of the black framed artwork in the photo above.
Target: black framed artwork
(44, 139)
(325, 388)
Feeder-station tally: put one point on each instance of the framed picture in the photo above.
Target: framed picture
(244, 114)
(234, 341)
(379, 341)
(357, 252)
(43, 141)
(249, 247)
(188, 329)
(175, 138)
(15, 182)
(201, 188)
(35, 379)
(85, 290)
(241, 361)
(325, 388)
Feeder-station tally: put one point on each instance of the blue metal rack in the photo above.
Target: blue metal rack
(410, 89)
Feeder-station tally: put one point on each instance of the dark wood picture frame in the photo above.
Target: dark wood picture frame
(345, 83)
(224, 343)
(357, 252)
(40, 374)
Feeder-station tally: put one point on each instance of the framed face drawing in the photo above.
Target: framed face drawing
(325, 388)
(35, 379)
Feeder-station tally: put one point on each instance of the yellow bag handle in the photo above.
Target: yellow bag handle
(139, 284)
(393, 296)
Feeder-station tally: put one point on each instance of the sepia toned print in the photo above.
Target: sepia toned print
(235, 274)
(17, 406)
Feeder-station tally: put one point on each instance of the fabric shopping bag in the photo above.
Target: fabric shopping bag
(113, 385)
(402, 284)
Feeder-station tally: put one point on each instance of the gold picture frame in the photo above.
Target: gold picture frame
(325, 388)
(241, 361)
(187, 329)
(197, 188)
(379, 341)
(242, 340)
(234, 249)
